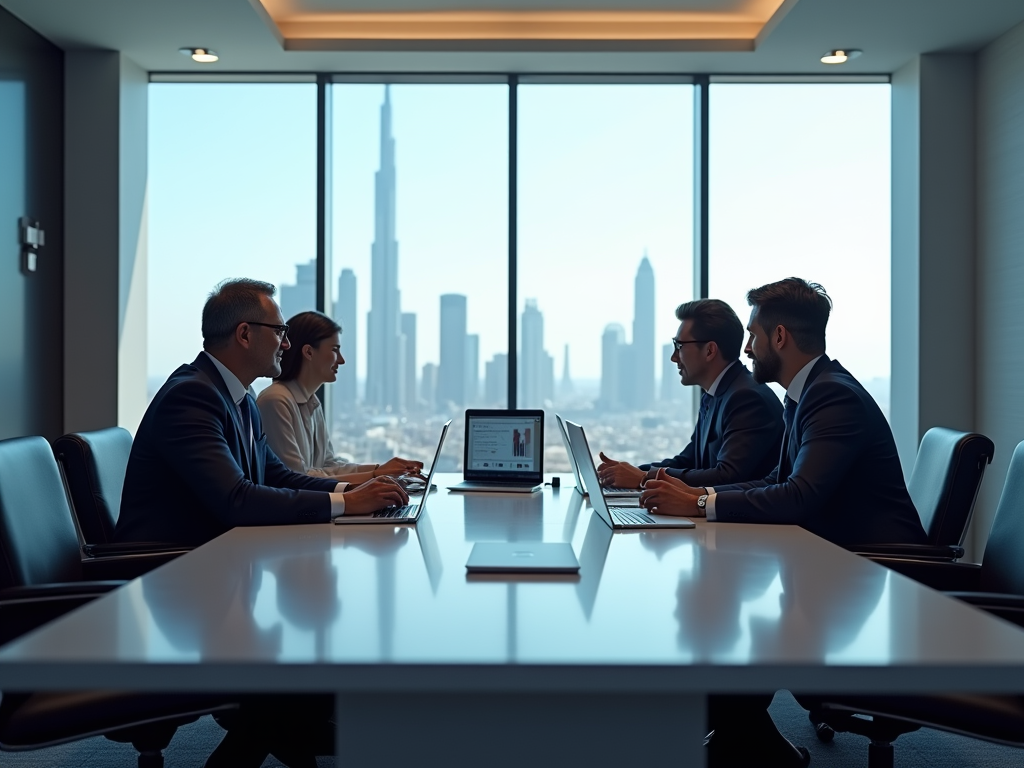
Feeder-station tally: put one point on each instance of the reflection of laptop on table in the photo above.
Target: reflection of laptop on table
(614, 517)
(410, 512)
(503, 452)
(608, 492)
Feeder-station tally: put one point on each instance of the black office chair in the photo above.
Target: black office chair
(41, 574)
(944, 486)
(94, 466)
(997, 586)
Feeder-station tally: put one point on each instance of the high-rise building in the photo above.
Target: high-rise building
(385, 387)
(640, 382)
(472, 366)
(409, 368)
(671, 388)
(614, 356)
(536, 366)
(300, 297)
(565, 388)
(345, 394)
(496, 381)
(451, 376)
(428, 386)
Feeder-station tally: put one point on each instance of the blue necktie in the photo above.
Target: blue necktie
(702, 426)
(243, 407)
(789, 408)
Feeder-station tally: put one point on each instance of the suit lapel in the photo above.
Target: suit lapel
(203, 363)
(704, 458)
(791, 442)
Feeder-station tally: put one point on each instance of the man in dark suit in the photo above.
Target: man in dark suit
(838, 476)
(200, 465)
(739, 425)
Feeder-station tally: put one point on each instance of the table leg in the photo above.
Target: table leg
(517, 730)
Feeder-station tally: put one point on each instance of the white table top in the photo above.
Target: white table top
(324, 607)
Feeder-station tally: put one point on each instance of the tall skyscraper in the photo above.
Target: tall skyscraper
(496, 381)
(472, 366)
(451, 376)
(428, 385)
(614, 353)
(409, 369)
(565, 388)
(385, 386)
(345, 315)
(671, 387)
(300, 297)
(536, 366)
(644, 347)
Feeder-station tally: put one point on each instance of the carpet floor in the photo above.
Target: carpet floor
(923, 749)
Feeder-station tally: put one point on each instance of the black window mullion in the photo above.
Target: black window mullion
(700, 186)
(513, 300)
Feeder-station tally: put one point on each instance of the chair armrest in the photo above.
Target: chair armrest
(1009, 607)
(127, 566)
(959, 577)
(133, 548)
(934, 552)
(23, 609)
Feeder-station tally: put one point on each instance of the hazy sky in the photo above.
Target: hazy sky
(800, 185)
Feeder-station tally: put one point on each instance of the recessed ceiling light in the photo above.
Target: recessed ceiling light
(840, 56)
(202, 55)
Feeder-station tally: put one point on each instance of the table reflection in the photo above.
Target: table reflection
(503, 517)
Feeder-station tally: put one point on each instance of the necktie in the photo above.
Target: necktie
(702, 426)
(789, 408)
(243, 408)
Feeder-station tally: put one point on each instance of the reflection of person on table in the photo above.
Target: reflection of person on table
(200, 464)
(838, 476)
(739, 424)
(292, 415)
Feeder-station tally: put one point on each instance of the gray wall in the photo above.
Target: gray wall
(1000, 260)
(31, 180)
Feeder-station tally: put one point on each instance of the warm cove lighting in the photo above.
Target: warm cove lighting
(202, 55)
(840, 56)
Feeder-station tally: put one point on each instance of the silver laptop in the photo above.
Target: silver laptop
(618, 492)
(503, 452)
(615, 517)
(408, 513)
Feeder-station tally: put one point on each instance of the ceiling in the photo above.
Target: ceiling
(243, 32)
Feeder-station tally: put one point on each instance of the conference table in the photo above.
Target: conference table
(432, 666)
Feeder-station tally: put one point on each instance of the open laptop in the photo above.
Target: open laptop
(617, 492)
(503, 452)
(408, 513)
(614, 517)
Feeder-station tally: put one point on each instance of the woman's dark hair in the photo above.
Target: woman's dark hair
(305, 328)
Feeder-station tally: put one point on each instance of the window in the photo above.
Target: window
(799, 186)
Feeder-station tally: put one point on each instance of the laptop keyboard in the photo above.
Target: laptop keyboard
(404, 511)
(621, 490)
(623, 515)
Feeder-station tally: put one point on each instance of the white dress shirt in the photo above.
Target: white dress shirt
(237, 391)
(793, 392)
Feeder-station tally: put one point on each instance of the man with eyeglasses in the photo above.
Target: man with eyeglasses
(739, 423)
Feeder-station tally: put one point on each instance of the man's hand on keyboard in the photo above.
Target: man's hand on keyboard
(375, 495)
(619, 474)
(670, 496)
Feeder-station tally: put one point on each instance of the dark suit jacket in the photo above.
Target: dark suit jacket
(839, 475)
(188, 478)
(742, 435)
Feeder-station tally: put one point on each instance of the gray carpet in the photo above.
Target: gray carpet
(923, 749)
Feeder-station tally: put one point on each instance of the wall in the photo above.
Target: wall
(1000, 260)
(31, 180)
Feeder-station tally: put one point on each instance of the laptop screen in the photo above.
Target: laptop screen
(504, 445)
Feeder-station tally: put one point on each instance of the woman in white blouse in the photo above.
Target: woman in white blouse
(292, 416)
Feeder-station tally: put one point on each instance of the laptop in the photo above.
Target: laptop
(503, 452)
(522, 557)
(609, 492)
(408, 513)
(615, 518)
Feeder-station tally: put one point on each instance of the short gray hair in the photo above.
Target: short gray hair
(232, 302)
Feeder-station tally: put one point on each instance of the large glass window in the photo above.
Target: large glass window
(799, 186)
(420, 258)
(232, 193)
(605, 211)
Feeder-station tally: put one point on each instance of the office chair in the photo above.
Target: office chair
(92, 467)
(996, 586)
(41, 572)
(944, 486)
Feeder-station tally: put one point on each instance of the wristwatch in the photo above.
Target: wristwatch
(702, 503)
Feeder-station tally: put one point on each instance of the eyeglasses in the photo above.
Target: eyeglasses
(280, 330)
(680, 344)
